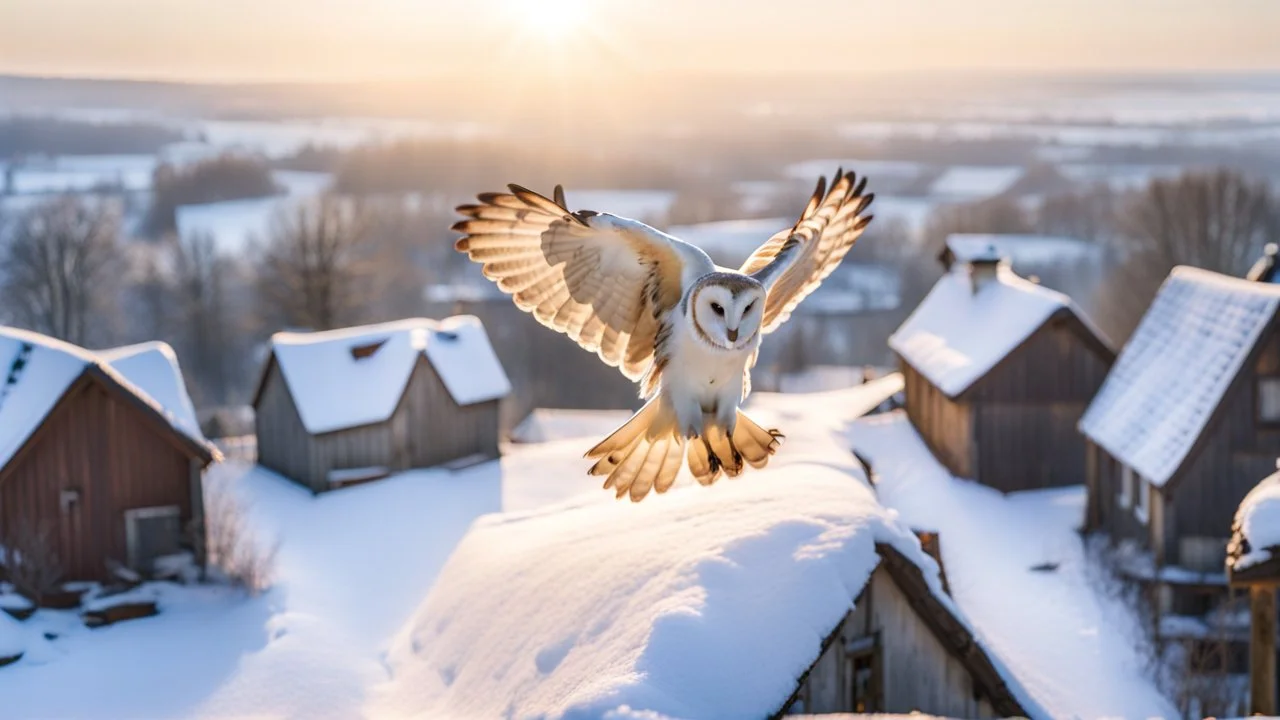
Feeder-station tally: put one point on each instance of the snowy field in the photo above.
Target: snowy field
(1070, 646)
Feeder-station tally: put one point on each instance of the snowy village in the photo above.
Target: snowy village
(502, 360)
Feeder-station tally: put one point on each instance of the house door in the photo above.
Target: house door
(151, 533)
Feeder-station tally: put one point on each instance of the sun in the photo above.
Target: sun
(550, 19)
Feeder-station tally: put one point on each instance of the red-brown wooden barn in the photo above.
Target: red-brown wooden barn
(99, 451)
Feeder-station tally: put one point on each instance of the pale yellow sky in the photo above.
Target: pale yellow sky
(339, 40)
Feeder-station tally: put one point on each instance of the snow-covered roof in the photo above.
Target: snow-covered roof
(957, 335)
(356, 376)
(550, 424)
(730, 242)
(974, 182)
(1018, 249)
(1256, 537)
(35, 371)
(706, 603)
(153, 367)
(1176, 368)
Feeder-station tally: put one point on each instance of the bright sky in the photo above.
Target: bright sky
(398, 39)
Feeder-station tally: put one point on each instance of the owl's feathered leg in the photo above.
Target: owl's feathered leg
(753, 442)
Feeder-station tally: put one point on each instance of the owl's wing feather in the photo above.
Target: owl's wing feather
(794, 262)
(602, 280)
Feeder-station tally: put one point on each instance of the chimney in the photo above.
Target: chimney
(1265, 270)
(983, 268)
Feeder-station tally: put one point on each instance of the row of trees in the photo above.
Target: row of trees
(67, 271)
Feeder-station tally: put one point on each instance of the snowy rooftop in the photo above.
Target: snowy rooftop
(153, 368)
(957, 335)
(1257, 526)
(1176, 368)
(32, 386)
(1019, 571)
(730, 242)
(356, 376)
(1030, 249)
(965, 182)
(709, 602)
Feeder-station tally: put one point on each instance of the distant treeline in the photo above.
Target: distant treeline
(225, 177)
(21, 136)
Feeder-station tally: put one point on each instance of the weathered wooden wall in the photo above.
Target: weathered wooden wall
(916, 672)
(945, 425)
(1027, 408)
(117, 457)
(427, 428)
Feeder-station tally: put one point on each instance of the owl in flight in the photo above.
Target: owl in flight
(663, 313)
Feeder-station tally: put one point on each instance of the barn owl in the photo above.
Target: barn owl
(663, 313)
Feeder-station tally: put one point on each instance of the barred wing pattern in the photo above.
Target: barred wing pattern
(793, 263)
(601, 280)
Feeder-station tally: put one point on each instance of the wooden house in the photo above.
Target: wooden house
(343, 406)
(1185, 423)
(1253, 563)
(901, 648)
(998, 371)
(99, 452)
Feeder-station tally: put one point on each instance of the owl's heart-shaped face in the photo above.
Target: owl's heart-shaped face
(729, 314)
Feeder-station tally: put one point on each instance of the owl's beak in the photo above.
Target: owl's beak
(732, 334)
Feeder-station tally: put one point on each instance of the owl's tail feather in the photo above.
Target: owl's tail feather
(644, 454)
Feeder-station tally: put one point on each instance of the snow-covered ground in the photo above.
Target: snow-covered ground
(1071, 647)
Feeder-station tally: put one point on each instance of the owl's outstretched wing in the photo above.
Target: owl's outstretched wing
(604, 281)
(794, 262)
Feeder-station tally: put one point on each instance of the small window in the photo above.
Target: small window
(1142, 510)
(1269, 399)
(360, 352)
(1125, 498)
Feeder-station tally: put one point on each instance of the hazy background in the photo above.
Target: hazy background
(209, 173)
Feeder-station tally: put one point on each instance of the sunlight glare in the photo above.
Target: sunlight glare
(551, 19)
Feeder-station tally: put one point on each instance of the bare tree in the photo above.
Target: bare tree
(315, 270)
(230, 546)
(997, 215)
(1088, 214)
(209, 339)
(55, 268)
(1217, 220)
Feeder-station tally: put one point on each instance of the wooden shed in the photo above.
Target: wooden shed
(1253, 563)
(100, 452)
(998, 371)
(1187, 421)
(345, 406)
(900, 649)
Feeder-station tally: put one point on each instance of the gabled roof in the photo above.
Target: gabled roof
(1037, 250)
(956, 335)
(706, 602)
(36, 371)
(153, 368)
(1254, 551)
(356, 376)
(1176, 368)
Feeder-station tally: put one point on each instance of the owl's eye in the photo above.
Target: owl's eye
(715, 308)
(749, 306)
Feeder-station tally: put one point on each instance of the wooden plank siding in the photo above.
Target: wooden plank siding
(1015, 428)
(427, 428)
(944, 424)
(117, 457)
(1199, 502)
